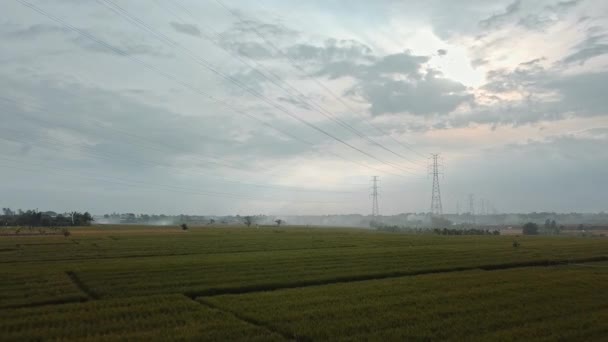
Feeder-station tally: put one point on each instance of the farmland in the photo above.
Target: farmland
(136, 283)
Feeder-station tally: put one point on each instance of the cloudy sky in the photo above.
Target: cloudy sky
(290, 107)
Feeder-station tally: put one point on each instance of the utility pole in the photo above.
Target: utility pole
(374, 196)
(472, 206)
(436, 207)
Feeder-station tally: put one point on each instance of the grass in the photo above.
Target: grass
(54, 279)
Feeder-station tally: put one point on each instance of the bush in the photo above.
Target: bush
(184, 226)
(530, 228)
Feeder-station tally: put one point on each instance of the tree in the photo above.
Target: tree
(248, 220)
(554, 228)
(211, 221)
(184, 226)
(530, 228)
(86, 219)
(278, 222)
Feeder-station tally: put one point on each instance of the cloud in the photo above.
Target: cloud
(36, 30)
(101, 117)
(295, 101)
(188, 29)
(332, 50)
(429, 95)
(525, 76)
(128, 46)
(594, 45)
(532, 17)
(524, 96)
(274, 31)
(243, 37)
(544, 95)
(400, 63)
(477, 62)
(500, 19)
(535, 21)
(394, 64)
(548, 16)
(564, 5)
(582, 94)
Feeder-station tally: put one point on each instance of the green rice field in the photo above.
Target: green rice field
(108, 283)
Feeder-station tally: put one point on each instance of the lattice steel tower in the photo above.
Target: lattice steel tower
(436, 207)
(374, 196)
(472, 206)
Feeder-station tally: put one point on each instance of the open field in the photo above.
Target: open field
(136, 283)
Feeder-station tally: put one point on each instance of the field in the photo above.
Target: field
(146, 283)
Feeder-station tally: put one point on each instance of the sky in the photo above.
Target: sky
(290, 107)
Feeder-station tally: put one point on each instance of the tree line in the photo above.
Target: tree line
(35, 218)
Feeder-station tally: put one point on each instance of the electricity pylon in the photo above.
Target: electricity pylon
(436, 207)
(472, 206)
(374, 196)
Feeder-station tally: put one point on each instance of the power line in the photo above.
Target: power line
(201, 61)
(164, 145)
(112, 156)
(50, 143)
(318, 108)
(187, 85)
(320, 84)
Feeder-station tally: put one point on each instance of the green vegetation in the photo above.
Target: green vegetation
(170, 317)
(35, 218)
(137, 282)
(530, 228)
(558, 303)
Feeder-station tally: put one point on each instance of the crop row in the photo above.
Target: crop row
(23, 289)
(99, 243)
(557, 303)
(172, 317)
(114, 243)
(238, 260)
(240, 272)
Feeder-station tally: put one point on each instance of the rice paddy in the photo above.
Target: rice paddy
(142, 283)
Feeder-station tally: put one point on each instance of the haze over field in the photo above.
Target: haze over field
(105, 105)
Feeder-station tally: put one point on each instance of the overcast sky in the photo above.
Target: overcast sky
(290, 107)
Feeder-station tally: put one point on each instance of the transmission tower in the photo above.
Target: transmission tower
(472, 206)
(436, 208)
(374, 196)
